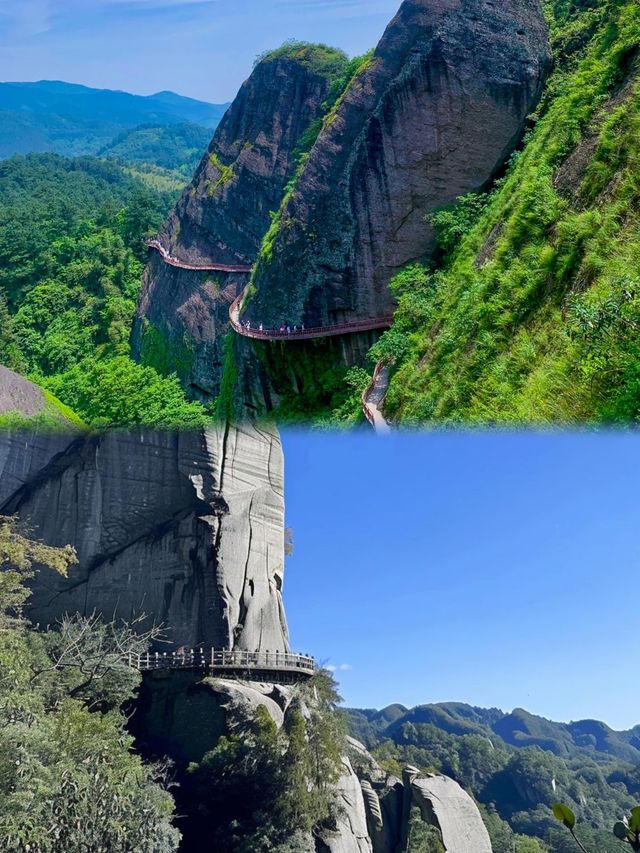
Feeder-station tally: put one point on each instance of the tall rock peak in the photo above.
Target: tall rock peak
(432, 116)
(224, 213)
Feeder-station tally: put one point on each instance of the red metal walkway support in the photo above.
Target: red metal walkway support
(302, 334)
(176, 262)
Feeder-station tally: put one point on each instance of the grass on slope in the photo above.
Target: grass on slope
(535, 318)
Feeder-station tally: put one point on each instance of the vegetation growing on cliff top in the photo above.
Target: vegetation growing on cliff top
(535, 316)
(343, 76)
(319, 58)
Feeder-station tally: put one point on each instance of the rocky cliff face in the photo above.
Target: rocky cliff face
(432, 116)
(185, 528)
(224, 213)
(185, 715)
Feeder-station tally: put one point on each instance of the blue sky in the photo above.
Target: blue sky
(200, 48)
(496, 569)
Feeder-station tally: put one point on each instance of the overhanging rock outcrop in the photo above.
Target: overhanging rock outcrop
(186, 528)
(434, 115)
(224, 213)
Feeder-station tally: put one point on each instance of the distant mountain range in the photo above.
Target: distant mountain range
(517, 729)
(72, 120)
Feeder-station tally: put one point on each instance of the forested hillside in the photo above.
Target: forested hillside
(71, 261)
(532, 313)
(176, 147)
(69, 779)
(517, 766)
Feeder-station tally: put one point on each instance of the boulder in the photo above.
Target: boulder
(351, 834)
(447, 806)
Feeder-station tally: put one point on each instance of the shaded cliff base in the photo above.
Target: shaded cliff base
(236, 794)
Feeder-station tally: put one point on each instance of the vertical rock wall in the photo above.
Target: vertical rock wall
(225, 212)
(432, 116)
(186, 528)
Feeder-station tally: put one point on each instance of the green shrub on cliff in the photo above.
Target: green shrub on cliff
(264, 789)
(320, 58)
(119, 392)
(536, 316)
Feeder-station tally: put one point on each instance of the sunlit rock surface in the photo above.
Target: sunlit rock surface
(186, 528)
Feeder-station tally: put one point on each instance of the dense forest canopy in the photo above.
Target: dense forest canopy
(71, 262)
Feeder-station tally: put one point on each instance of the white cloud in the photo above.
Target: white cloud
(343, 667)
(29, 19)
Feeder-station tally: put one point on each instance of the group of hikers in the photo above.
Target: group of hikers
(283, 330)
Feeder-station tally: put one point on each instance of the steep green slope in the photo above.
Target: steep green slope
(71, 260)
(534, 318)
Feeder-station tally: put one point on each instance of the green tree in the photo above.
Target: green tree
(69, 778)
(122, 393)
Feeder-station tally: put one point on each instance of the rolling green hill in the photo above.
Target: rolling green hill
(73, 120)
(516, 765)
(177, 147)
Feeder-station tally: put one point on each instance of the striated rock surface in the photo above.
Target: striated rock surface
(445, 805)
(186, 528)
(225, 212)
(351, 834)
(432, 116)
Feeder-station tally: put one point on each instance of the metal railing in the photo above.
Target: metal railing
(301, 334)
(223, 660)
(172, 261)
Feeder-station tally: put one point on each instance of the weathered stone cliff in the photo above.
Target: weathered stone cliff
(186, 528)
(225, 212)
(432, 116)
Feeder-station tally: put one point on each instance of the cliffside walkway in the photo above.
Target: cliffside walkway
(373, 399)
(183, 265)
(252, 666)
(301, 334)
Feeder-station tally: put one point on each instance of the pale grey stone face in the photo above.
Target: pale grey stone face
(444, 804)
(186, 528)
